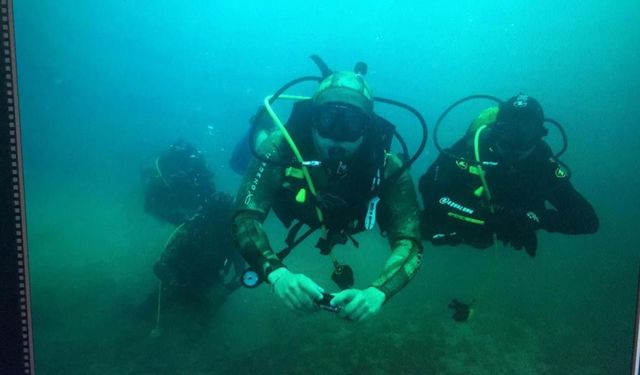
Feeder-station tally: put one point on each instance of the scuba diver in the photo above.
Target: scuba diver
(200, 253)
(330, 169)
(177, 183)
(502, 179)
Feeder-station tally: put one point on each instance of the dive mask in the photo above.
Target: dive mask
(340, 122)
(516, 140)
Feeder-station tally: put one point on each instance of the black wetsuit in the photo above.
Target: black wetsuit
(177, 183)
(201, 252)
(179, 189)
(536, 187)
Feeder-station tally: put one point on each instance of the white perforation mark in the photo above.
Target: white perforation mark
(6, 25)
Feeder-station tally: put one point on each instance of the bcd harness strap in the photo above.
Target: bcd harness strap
(477, 170)
(372, 207)
(331, 237)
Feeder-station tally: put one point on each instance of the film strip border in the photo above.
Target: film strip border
(635, 362)
(19, 325)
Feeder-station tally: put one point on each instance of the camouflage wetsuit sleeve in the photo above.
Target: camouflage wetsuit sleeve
(399, 218)
(253, 202)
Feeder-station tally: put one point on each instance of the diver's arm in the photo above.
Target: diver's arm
(296, 290)
(253, 203)
(255, 196)
(253, 243)
(572, 213)
(399, 217)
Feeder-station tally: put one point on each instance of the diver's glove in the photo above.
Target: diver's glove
(359, 304)
(516, 228)
(296, 290)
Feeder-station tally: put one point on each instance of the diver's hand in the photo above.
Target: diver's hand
(519, 240)
(517, 229)
(296, 290)
(504, 220)
(359, 304)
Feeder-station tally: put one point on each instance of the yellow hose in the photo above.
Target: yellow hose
(155, 332)
(481, 172)
(157, 163)
(294, 148)
(487, 193)
(296, 152)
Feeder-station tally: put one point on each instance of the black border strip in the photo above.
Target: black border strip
(15, 311)
(635, 360)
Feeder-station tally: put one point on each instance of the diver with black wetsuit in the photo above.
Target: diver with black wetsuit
(515, 187)
(199, 263)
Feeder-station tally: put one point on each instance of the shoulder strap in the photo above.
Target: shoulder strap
(292, 241)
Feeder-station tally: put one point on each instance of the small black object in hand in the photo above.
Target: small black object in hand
(325, 303)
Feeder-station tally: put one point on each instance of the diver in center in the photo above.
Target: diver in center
(334, 174)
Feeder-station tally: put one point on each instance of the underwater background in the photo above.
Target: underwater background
(104, 86)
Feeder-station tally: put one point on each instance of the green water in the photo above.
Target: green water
(568, 312)
(103, 87)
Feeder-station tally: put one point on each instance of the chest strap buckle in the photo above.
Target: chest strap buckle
(370, 218)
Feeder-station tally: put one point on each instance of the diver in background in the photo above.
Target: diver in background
(177, 184)
(200, 253)
(338, 128)
(507, 196)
